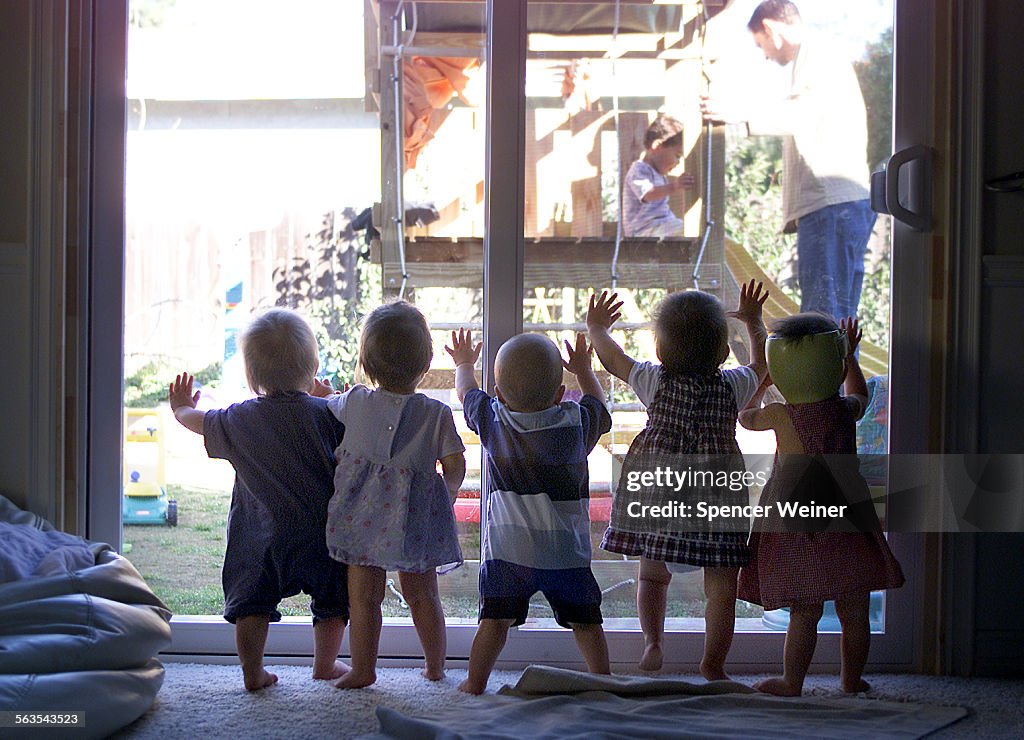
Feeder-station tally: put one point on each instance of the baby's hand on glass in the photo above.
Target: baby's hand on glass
(322, 388)
(603, 310)
(851, 327)
(580, 356)
(462, 349)
(752, 298)
(180, 392)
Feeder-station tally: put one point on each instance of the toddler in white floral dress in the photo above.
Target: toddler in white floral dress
(391, 510)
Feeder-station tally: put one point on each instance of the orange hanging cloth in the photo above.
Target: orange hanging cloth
(429, 85)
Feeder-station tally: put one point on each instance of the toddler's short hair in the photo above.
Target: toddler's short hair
(280, 352)
(664, 130)
(691, 332)
(528, 372)
(773, 10)
(395, 348)
(801, 325)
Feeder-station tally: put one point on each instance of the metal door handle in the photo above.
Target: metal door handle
(915, 207)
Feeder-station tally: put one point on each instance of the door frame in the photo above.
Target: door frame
(915, 410)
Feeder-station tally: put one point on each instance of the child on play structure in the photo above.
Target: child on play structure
(391, 510)
(281, 445)
(808, 357)
(692, 406)
(645, 208)
(536, 535)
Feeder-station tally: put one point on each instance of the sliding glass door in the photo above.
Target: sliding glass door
(468, 157)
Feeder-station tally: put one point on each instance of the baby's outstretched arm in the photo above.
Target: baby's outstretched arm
(854, 383)
(755, 400)
(758, 419)
(581, 364)
(603, 312)
(465, 356)
(749, 310)
(183, 403)
(453, 470)
(771, 416)
(322, 388)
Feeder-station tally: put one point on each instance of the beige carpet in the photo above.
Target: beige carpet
(208, 701)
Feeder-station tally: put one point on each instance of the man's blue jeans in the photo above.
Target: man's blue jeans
(831, 244)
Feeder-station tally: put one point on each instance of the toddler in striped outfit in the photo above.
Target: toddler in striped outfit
(536, 527)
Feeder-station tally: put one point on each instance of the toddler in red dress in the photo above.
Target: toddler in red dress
(803, 569)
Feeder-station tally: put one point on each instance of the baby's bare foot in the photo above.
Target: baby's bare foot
(652, 658)
(339, 669)
(778, 687)
(355, 680)
(432, 674)
(472, 687)
(855, 687)
(713, 673)
(260, 680)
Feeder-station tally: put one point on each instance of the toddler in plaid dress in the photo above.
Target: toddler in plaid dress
(800, 569)
(692, 407)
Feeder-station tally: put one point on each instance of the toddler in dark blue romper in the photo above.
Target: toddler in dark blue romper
(281, 445)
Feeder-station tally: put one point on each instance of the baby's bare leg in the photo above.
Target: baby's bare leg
(801, 638)
(491, 635)
(719, 620)
(327, 636)
(592, 644)
(853, 613)
(420, 590)
(651, 598)
(365, 594)
(250, 640)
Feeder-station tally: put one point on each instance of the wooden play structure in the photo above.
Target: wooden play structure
(597, 74)
(592, 90)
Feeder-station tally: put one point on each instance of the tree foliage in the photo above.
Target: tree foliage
(334, 285)
(874, 72)
(147, 386)
(753, 215)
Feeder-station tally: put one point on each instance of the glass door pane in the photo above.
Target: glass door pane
(593, 87)
(254, 169)
(757, 246)
(433, 257)
(252, 165)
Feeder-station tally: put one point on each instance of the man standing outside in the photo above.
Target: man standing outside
(825, 173)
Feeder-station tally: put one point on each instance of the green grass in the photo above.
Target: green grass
(182, 565)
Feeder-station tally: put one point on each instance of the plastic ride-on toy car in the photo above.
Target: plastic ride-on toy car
(145, 499)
